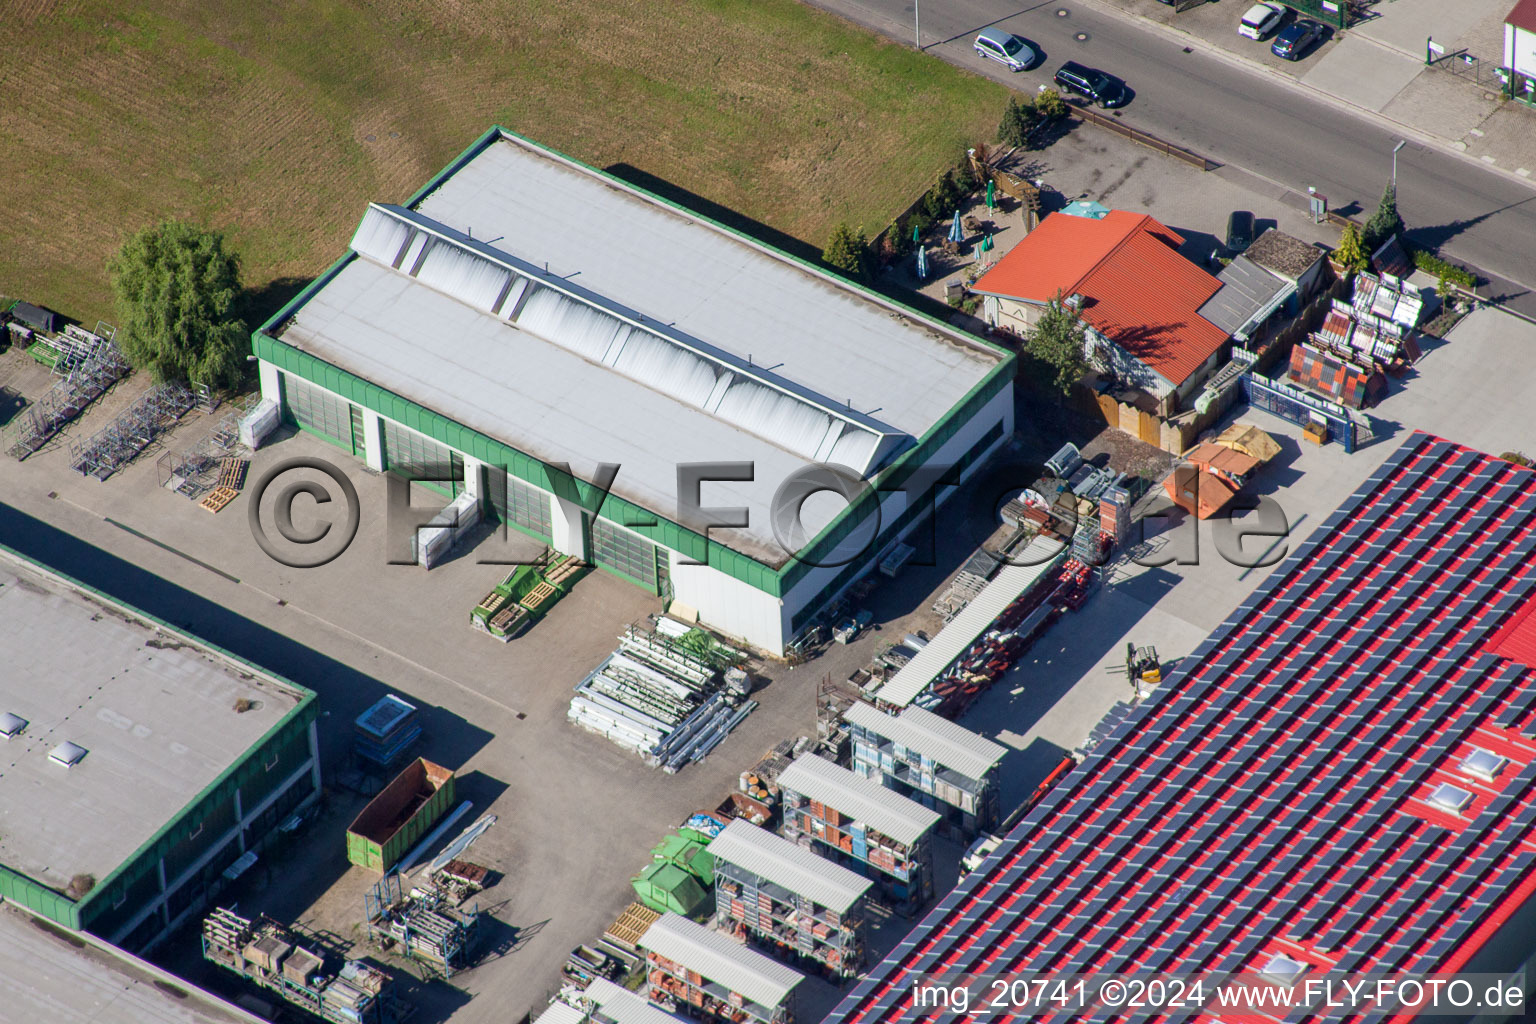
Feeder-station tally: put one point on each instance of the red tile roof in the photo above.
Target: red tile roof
(1523, 15)
(1140, 292)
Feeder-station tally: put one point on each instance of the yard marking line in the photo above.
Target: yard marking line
(161, 544)
(391, 652)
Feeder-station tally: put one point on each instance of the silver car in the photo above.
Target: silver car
(1006, 48)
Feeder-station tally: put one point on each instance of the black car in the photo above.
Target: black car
(1239, 231)
(1091, 84)
(1293, 41)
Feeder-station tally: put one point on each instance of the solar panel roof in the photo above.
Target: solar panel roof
(1369, 711)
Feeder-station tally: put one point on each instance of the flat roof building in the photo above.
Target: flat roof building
(528, 314)
(141, 763)
(862, 824)
(1341, 778)
(47, 974)
(709, 974)
(941, 765)
(786, 896)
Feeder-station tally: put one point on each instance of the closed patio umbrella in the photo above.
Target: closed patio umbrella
(922, 263)
(956, 234)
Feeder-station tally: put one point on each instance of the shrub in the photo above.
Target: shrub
(845, 250)
(1351, 253)
(1444, 269)
(1050, 104)
(1019, 119)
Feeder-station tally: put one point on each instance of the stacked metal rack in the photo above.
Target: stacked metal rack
(89, 373)
(113, 447)
(659, 698)
(267, 954)
(421, 926)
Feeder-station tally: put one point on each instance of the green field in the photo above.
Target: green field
(279, 121)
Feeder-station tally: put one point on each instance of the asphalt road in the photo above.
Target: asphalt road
(1289, 135)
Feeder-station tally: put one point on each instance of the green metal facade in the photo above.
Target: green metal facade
(776, 582)
(186, 837)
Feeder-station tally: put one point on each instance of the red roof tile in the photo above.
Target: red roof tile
(1139, 291)
(1523, 15)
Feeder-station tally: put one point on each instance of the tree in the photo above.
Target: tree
(1351, 252)
(846, 249)
(1050, 104)
(1019, 119)
(1058, 340)
(177, 291)
(1385, 222)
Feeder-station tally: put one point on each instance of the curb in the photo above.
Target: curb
(1231, 59)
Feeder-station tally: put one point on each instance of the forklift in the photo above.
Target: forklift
(1142, 666)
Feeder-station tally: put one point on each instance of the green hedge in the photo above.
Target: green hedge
(1443, 269)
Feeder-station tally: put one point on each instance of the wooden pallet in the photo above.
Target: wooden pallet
(631, 925)
(562, 572)
(537, 596)
(218, 498)
(232, 473)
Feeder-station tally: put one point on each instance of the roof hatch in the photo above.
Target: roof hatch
(1283, 969)
(11, 725)
(67, 754)
(1484, 764)
(1450, 798)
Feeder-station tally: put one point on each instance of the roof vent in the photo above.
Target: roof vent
(67, 754)
(1484, 764)
(11, 725)
(1283, 969)
(1450, 798)
(1073, 301)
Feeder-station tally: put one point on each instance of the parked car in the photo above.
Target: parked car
(1239, 231)
(1091, 84)
(1296, 39)
(1261, 20)
(1006, 48)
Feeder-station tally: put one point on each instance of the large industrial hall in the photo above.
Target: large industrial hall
(1341, 778)
(524, 312)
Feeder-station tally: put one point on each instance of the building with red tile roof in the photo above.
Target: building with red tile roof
(1341, 778)
(1138, 295)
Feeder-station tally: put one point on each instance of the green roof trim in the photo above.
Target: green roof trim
(34, 894)
(654, 527)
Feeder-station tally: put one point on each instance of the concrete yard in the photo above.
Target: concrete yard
(577, 816)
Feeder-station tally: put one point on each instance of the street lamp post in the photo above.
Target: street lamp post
(1395, 148)
(917, 25)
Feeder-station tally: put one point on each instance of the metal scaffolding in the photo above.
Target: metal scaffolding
(421, 925)
(88, 370)
(113, 447)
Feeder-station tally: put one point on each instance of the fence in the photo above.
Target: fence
(1487, 73)
(1293, 404)
(1143, 138)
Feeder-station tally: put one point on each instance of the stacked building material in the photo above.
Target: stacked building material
(266, 953)
(787, 896)
(384, 734)
(421, 926)
(1337, 377)
(941, 765)
(1115, 515)
(714, 977)
(657, 696)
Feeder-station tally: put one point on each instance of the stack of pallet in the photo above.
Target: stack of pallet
(1115, 514)
(384, 734)
(227, 488)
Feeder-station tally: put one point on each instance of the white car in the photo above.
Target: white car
(1261, 20)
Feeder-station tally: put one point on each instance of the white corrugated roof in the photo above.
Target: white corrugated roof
(789, 865)
(974, 619)
(721, 959)
(756, 310)
(561, 1013)
(953, 746)
(624, 1007)
(859, 798)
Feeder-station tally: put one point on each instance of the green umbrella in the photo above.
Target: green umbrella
(914, 234)
(986, 244)
(991, 198)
